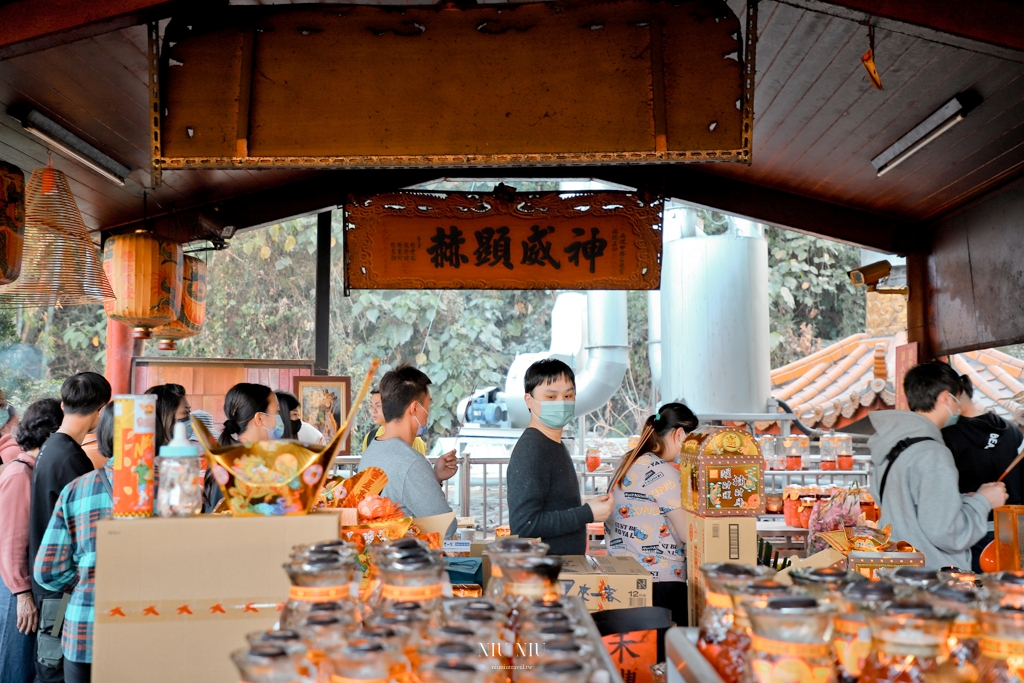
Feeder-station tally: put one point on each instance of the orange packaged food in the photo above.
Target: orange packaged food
(134, 451)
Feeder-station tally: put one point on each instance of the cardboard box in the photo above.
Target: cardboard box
(713, 540)
(606, 581)
(174, 597)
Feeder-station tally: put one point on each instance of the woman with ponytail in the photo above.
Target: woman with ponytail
(647, 520)
(250, 415)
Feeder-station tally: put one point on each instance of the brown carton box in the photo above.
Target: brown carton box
(606, 581)
(174, 597)
(713, 540)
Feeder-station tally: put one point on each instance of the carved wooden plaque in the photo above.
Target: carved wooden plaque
(591, 240)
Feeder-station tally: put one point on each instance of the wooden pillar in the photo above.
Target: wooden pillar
(119, 357)
(322, 330)
(919, 323)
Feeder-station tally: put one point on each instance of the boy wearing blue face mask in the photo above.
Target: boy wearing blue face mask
(412, 483)
(916, 481)
(543, 489)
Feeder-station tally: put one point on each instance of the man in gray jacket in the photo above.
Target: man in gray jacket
(916, 481)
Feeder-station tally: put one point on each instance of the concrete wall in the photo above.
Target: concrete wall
(976, 274)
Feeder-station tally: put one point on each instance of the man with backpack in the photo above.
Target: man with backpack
(916, 482)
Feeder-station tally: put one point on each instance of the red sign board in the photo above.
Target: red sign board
(590, 240)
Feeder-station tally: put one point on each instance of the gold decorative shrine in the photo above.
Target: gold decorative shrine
(722, 473)
(515, 85)
(589, 240)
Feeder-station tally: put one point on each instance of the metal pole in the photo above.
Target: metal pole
(323, 294)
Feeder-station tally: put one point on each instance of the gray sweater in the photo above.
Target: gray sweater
(411, 481)
(544, 495)
(922, 499)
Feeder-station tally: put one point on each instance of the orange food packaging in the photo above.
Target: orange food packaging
(134, 452)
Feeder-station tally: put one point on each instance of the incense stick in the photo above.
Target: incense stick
(1012, 465)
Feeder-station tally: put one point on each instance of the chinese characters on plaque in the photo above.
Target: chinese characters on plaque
(600, 240)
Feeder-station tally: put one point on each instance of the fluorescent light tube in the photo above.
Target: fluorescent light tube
(936, 124)
(68, 144)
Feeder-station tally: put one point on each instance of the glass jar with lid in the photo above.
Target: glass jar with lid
(910, 582)
(1001, 644)
(409, 575)
(791, 641)
(362, 661)
(269, 663)
(321, 632)
(464, 670)
(322, 577)
(724, 647)
(560, 671)
(1006, 588)
(824, 583)
(504, 549)
(772, 461)
(910, 642)
(964, 599)
(851, 636)
(531, 580)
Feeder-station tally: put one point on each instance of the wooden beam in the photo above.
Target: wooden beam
(322, 326)
(327, 190)
(28, 26)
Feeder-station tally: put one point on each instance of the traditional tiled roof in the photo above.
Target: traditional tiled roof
(842, 383)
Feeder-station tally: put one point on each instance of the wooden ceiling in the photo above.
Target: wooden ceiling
(818, 124)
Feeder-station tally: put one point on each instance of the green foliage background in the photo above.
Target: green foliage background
(261, 299)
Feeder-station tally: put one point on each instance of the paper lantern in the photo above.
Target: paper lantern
(12, 221)
(146, 275)
(193, 307)
(60, 263)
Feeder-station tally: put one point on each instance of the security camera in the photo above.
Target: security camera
(870, 275)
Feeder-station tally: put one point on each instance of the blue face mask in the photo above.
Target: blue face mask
(422, 429)
(954, 417)
(557, 414)
(278, 431)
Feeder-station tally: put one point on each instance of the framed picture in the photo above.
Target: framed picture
(324, 402)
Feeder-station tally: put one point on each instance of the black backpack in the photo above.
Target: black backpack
(890, 458)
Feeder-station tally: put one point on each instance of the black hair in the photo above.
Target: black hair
(105, 431)
(287, 402)
(399, 388)
(241, 404)
(84, 393)
(40, 420)
(926, 381)
(967, 386)
(374, 391)
(670, 417)
(547, 371)
(168, 398)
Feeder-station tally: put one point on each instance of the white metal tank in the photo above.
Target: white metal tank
(714, 320)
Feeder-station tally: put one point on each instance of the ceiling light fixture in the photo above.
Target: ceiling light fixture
(947, 116)
(66, 143)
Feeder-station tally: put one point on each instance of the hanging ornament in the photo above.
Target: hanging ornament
(12, 221)
(60, 264)
(146, 275)
(190, 321)
(868, 59)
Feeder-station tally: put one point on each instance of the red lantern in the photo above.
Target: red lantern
(193, 307)
(12, 221)
(145, 274)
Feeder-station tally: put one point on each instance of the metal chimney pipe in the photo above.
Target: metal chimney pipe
(607, 350)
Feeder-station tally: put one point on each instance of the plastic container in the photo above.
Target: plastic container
(963, 638)
(833, 447)
(851, 636)
(181, 485)
(795, 448)
(772, 461)
(1001, 644)
(791, 641)
(593, 459)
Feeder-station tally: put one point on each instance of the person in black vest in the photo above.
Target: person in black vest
(983, 446)
(61, 460)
